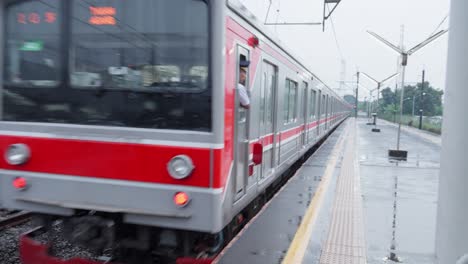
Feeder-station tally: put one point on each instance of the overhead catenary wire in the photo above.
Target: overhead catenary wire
(335, 36)
(268, 11)
(440, 24)
(284, 23)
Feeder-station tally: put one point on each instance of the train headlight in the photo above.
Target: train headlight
(17, 154)
(180, 167)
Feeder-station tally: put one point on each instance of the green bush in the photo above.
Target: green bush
(413, 121)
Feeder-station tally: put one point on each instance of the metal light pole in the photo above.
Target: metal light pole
(366, 105)
(452, 216)
(355, 89)
(422, 101)
(370, 101)
(379, 84)
(404, 61)
(403, 70)
(371, 106)
(357, 94)
(414, 101)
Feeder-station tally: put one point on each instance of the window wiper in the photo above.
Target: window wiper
(176, 87)
(157, 87)
(34, 84)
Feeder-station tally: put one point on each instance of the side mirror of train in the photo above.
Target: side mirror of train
(257, 153)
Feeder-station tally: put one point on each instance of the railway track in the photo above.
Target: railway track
(13, 218)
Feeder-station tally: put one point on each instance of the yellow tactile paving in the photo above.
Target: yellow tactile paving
(298, 247)
(346, 241)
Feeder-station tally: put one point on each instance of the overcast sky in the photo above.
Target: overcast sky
(351, 20)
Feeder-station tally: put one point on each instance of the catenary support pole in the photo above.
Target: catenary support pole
(452, 215)
(421, 100)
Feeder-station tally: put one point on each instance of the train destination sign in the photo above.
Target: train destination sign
(36, 18)
(102, 15)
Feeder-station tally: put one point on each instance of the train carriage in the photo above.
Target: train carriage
(123, 119)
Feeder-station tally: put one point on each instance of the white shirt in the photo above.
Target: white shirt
(243, 95)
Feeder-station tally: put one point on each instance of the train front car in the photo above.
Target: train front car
(109, 122)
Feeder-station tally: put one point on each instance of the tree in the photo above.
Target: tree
(391, 110)
(430, 102)
(388, 97)
(350, 99)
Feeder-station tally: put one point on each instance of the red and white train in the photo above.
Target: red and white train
(122, 118)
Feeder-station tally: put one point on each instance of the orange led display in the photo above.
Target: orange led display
(102, 15)
(102, 20)
(102, 11)
(50, 17)
(21, 18)
(36, 18)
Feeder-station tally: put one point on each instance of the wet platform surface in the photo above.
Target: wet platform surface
(404, 192)
(396, 211)
(268, 237)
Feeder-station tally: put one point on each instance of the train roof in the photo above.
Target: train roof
(250, 18)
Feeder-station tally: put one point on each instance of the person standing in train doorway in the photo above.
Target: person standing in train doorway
(244, 98)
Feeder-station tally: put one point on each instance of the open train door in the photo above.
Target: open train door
(241, 148)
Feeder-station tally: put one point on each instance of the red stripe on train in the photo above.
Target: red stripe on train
(119, 161)
(268, 139)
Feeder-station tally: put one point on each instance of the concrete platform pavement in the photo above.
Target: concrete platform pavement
(349, 203)
(268, 237)
(400, 198)
(431, 137)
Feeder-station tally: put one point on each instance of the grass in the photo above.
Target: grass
(434, 127)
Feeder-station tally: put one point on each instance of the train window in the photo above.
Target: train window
(286, 102)
(323, 105)
(290, 101)
(270, 98)
(130, 43)
(293, 101)
(267, 97)
(312, 99)
(139, 63)
(262, 99)
(32, 46)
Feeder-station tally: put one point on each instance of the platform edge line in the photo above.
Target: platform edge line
(296, 251)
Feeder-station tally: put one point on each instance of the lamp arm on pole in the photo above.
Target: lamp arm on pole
(390, 77)
(427, 41)
(368, 76)
(386, 42)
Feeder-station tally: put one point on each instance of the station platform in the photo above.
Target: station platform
(349, 203)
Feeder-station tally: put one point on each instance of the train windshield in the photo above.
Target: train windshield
(139, 63)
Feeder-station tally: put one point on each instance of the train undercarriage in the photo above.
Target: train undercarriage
(104, 238)
(98, 237)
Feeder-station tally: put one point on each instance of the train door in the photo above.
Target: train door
(327, 112)
(241, 148)
(305, 95)
(267, 117)
(319, 111)
(332, 107)
(312, 115)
